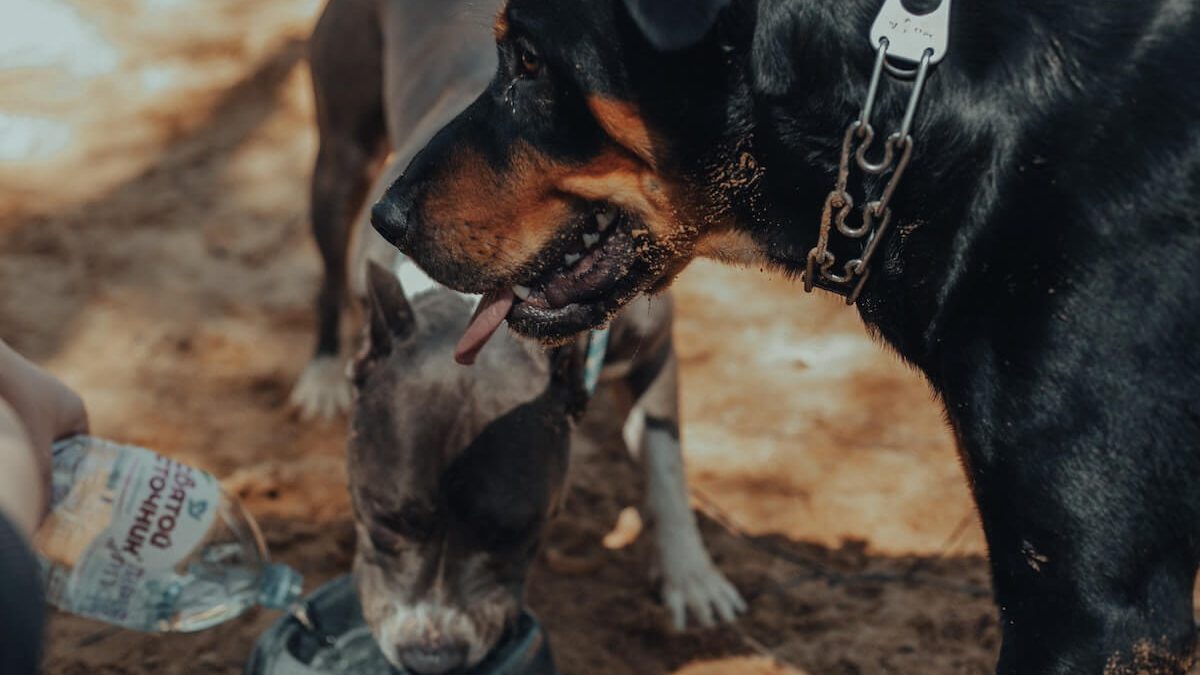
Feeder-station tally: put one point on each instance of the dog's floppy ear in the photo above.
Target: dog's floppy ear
(671, 25)
(390, 317)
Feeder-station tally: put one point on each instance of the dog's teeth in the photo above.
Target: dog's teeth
(571, 258)
(605, 218)
(590, 240)
(521, 292)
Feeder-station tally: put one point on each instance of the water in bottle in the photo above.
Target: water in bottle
(141, 541)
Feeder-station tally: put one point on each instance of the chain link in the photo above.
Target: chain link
(876, 215)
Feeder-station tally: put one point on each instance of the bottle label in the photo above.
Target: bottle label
(126, 520)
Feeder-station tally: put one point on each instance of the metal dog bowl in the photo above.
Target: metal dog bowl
(326, 635)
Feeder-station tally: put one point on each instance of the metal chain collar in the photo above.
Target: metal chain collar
(909, 39)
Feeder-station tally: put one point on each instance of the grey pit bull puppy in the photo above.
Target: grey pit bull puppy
(455, 472)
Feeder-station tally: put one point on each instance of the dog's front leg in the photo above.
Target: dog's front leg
(1091, 533)
(690, 580)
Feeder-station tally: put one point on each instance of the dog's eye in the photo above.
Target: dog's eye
(386, 542)
(528, 62)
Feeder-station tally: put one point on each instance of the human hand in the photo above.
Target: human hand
(49, 409)
(46, 409)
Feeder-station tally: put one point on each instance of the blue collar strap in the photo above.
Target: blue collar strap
(596, 350)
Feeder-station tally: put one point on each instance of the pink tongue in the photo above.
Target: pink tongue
(492, 309)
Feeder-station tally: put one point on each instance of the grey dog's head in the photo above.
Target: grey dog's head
(454, 473)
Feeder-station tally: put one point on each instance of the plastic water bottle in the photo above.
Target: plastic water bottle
(141, 541)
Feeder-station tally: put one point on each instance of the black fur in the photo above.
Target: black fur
(1043, 273)
(675, 24)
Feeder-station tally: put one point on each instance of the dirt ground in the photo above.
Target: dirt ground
(154, 251)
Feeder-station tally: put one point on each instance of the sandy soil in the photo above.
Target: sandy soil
(154, 252)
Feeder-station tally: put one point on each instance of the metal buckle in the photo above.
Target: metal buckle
(896, 34)
(911, 36)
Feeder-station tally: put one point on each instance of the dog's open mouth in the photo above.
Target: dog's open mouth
(586, 274)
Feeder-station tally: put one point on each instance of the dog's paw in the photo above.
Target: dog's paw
(693, 584)
(323, 390)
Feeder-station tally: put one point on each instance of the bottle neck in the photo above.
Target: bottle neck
(279, 587)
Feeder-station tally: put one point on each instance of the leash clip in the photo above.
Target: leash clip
(898, 34)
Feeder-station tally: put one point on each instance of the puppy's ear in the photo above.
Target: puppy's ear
(671, 25)
(390, 317)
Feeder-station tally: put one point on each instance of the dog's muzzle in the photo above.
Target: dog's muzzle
(433, 659)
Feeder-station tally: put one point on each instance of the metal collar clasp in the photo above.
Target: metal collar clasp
(906, 46)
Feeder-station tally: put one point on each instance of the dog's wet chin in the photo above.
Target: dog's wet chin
(403, 636)
(431, 637)
(587, 272)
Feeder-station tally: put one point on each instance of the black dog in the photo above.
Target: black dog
(1043, 270)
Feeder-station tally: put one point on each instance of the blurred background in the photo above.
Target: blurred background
(154, 252)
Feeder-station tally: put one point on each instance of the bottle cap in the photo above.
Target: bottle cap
(280, 587)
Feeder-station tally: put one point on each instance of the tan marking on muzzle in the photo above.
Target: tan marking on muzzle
(497, 219)
(624, 124)
(628, 185)
(732, 247)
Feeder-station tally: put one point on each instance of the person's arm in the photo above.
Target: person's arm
(22, 478)
(36, 409)
(22, 489)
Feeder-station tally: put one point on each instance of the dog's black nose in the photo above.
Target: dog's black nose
(433, 659)
(390, 217)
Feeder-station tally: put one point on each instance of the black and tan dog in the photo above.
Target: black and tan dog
(455, 471)
(1043, 271)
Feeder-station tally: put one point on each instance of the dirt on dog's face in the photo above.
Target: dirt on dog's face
(557, 193)
(454, 474)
